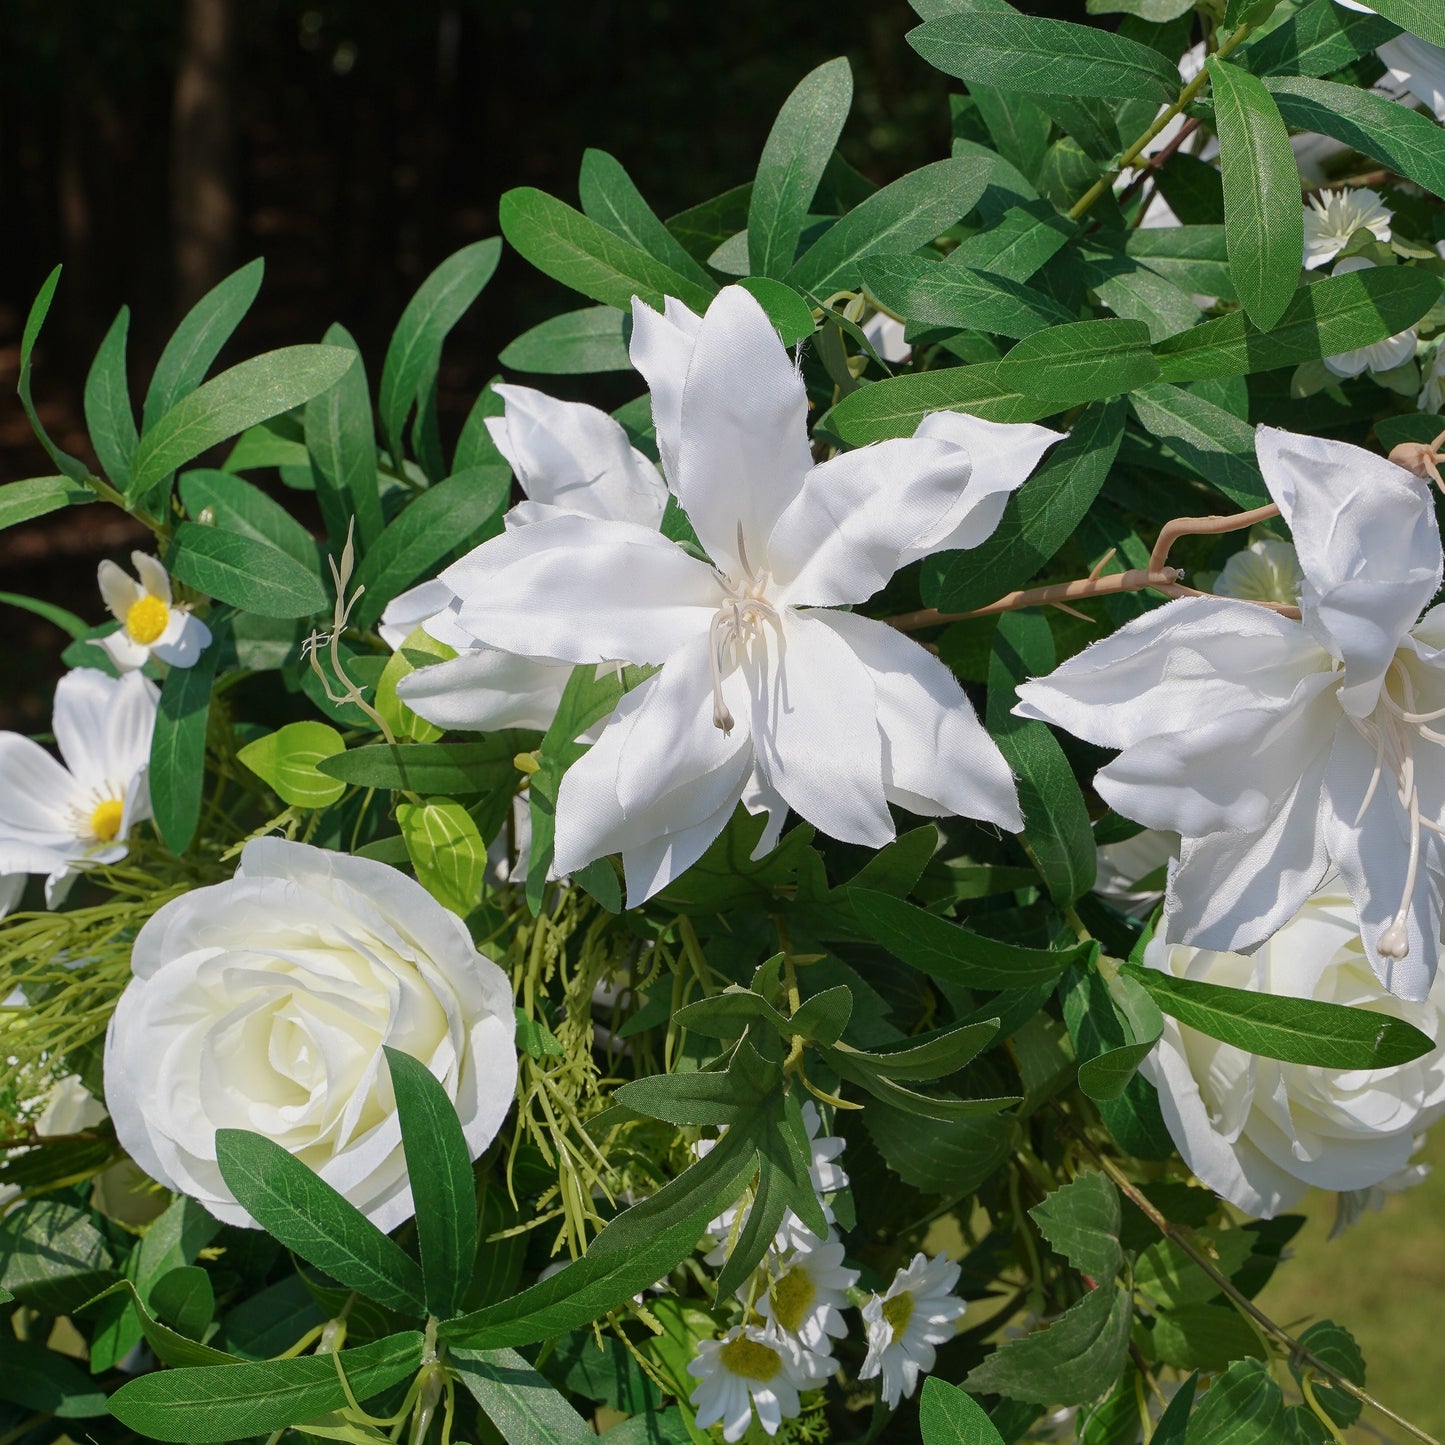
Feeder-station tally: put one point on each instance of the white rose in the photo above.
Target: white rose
(264, 1003)
(1260, 1132)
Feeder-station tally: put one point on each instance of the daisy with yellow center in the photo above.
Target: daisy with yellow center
(806, 1297)
(748, 1370)
(57, 817)
(150, 622)
(907, 1323)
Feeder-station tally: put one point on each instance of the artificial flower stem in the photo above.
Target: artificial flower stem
(1172, 531)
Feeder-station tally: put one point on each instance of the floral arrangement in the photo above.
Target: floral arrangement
(844, 899)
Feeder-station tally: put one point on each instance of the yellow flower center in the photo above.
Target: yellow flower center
(898, 1311)
(146, 619)
(792, 1298)
(106, 819)
(750, 1360)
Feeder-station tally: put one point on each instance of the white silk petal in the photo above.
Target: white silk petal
(118, 589)
(661, 349)
(184, 640)
(485, 689)
(79, 719)
(125, 654)
(410, 609)
(153, 577)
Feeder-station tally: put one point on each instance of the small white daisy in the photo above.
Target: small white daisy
(906, 1323)
(806, 1294)
(748, 1369)
(1265, 571)
(150, 622)
(1332, 217)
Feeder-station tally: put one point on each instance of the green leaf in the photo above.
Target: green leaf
(1041, 516)
(1056, 822)
(583, 254)
(252, 392)
(198, 340)
(893, 408)
(237, 506)
(247, 573)
(608, 195)
(1296, 1030)
(1114, 1027)
(1243, 1407)
(1081, 1220)
(272, 444)
(1263, 219)
(177, 773)
(37, 496)
(901, 217)
(703, 228)
(1169, 1276)
(699, 1096)
(536, 1038)
(798, 147)
(1023, 240)
(108, 413)
(1194, 258)
(934, 293)
(342, 444)
(1340, 313)
(255, 1398)
(1207, 439)
(521, 1404)
(791, 316)
(48, 1383)
(1335, 1346)
(1203, 1337)
(415, 351)
(439, 1164)
(454, 514)
(184, 1299)
(170, 1347)
(951, 953)
(287, 761)
(1317, 40)
(592, 339)
(1031, 56)
(446, 850)
(1081, 361)
(60, 617)
(402, 721)
(452, 769)
(951, 1159)
(53, 1257)
(73, 467)
(1419, 17)
(307, 1215)
(947, 1416)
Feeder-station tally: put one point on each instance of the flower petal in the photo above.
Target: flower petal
(1190, 659)
(1004, 456)
(1368, 544)
(938, 759)
(103, 726)
(118, 589)
(582, 590)
(410, 609)
(567, 454)
(816, 732)
(125, 654)
(743, 451)
(661, 349)
(153, 577)
(485, 689)
(859, 516)
(184, 640)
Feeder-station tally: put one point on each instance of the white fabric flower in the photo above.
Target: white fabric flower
(748, 1369)
(1260, 1132)
(1279, 749)
(766, 695)
(1266, 571)
(568, 459)
(150, 621)
(264, 1003)
(1332, 217)
(1384, 355)
(56, 818)
(885, 335)
(1121, 869)
(1416, 66)
(807, 1293)
(905, 1324)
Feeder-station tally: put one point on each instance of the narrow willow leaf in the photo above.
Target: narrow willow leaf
(177, 771)
(791, 316)
(458, 770)
(1298, 1031)
(797, 149)
(287, 760)
(1419, 17)
(1138, 1024)
(608, 195)
(298, 1207)
(901, 217)
(252, 392)
(1022, 240)
(439, 1165)
(1081, 1220)
(1317, 40)
(170, 1347)
(930, 293)
(108, 413)
(1020, 129)
(1340, 313)
(237, 506)
(185, 1299)
(1081, 361)
(583, 254)
(703, 228)
(1194, 258)
(1206, 438)
(36, 496)
(523, 1406)
(250, 574)
(1386, 131)
(73, 467)
(255, 1398)
(592, 339)
(36, 1377)
(1263, 219)
(446, 851)
(342, 444)
(415, 351)
(1032, 56)
(946, 1416)
(893, 408)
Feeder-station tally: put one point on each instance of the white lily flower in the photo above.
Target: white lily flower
(748, 1369)
(1266, 571)
(150, 621)
(569, 459)
(907, 1322)
(806, 1296)
(766, 693)
(56, 818)
(1333, 216)
(1383, 355)
(1279, 749)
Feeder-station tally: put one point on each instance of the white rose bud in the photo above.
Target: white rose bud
(1260, 1132)
(264, 1004)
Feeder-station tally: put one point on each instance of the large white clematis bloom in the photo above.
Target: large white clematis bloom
(765, 694)
(567, 458)
(1280, 749)
(56, 818)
